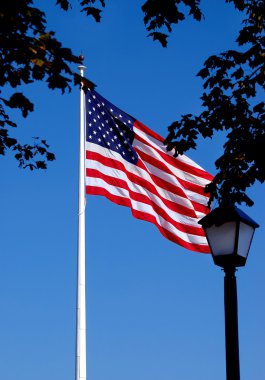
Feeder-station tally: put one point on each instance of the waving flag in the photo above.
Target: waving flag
(127, 163)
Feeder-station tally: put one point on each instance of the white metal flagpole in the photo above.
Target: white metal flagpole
(80, 364)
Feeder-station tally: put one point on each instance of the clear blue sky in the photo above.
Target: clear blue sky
(154, 310)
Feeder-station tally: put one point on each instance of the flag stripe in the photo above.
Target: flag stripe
(196, 246)
(137, 194)
(140, 197)
(182, 162)
(169, 186)
(151, 156)
(170, 191)
(167, 182)
(180, 205)
(128, 163)
(137, 204)
(162, 170)
(172, 185)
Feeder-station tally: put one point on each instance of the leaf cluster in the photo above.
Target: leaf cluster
(160, 15)
(86, 7)
(29, 53)
(232, 82)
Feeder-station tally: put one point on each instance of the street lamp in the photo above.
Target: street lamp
(229, 232)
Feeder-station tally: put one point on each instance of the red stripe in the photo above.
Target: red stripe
(92, 173)
(157, 180)
(160, 165)
(110, 162)
(168, 186)
(93, 190)
(148, 131)
(141, 182)
(193, 187)
(170, 159)
(201, 208)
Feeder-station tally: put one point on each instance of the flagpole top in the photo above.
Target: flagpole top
(81, 65)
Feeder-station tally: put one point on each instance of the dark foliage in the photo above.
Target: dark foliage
(29, 53)
(233, 81)
(159, 15)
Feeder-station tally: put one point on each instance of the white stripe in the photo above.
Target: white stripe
(147, 175)
(177, 217)
(199, 198)
(159, 145)
(192, 178)
(139, 206)
(171, 178)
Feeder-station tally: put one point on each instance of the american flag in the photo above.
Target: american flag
(128, 163)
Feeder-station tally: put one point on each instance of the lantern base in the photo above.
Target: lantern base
(229, 261)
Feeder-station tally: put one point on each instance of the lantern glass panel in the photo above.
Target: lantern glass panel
(245, 237)
(222, 238)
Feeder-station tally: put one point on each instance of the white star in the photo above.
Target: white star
(95, 120)
(89, 112)
(120, 116)
(108, 143)
(93, 97)
(90, 137)
(95, 132)
(99, 140)
(103, 104)
(111, 110)
(90, 125)
(98, 105)
(102, 113)
(89, 100)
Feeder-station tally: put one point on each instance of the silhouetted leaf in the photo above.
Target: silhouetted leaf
(161, 37)
(259, 107)
(64, 4)
(92, 11)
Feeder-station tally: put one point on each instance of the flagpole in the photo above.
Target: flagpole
(80, 363)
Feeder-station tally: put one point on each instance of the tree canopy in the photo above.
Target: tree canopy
(233, 81)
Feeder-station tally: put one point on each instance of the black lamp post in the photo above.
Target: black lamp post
(229, 232)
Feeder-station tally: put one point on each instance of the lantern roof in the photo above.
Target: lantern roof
(224, 214)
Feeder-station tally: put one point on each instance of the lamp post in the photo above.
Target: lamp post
(229, 232)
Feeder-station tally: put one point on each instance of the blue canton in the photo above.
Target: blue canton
(109, 127)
